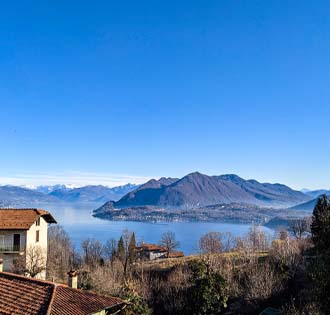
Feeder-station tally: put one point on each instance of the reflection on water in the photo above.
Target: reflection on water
(78, 221)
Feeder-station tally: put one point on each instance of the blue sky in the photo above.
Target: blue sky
(117, 91)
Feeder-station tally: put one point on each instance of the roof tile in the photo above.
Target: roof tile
(22, 219)
(26, 296)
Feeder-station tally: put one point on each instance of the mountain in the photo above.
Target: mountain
(20, 196)
(317, 193)
(95, 193)
(309, 205)
(47, 189)
(197, 190)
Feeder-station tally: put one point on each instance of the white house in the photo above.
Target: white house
(22, 230)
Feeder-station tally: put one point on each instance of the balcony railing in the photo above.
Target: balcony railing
(11, 248)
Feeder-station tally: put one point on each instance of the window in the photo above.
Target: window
(17, 242)
(38, 222)
(37, 236)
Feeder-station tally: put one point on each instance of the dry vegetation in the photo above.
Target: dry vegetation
(229, 276)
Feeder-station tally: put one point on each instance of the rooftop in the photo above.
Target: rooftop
(21, 295)
(22, 218)
(151, 247)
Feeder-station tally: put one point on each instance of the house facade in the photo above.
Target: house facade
(21, 232)
(151, 252)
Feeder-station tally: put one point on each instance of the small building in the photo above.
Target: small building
(151, 252)
(22, 230)
(21, 295)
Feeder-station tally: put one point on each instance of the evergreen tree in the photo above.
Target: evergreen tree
(320, 227)
(131, 249)
(121, 249)
(320, 267)
(208, 293)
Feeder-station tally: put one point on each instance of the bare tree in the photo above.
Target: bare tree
(169, 241)
(36, 260)
(282, 234)
(60, 254)
(32, 263)
(110, 249)
(228, 241)
(211, 243)
(93, 250)
(257, 238)
(299, 227)
(262, 281)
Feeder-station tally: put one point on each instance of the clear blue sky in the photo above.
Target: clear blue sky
(136, 89)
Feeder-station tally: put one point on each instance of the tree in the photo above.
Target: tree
(169, 241)
(132, 249)
(110, 249)
(320, 227)
(257, 238)
(93, 251)
(136, 305)
(216, 242)
(299, 227)
(33, 262)
(126, 249)
(121, 249)
(60, 254)
(210, 243)
(320, 267)
(208, 292)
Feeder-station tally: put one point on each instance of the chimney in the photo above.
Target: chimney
(1, 265)
(73, 279)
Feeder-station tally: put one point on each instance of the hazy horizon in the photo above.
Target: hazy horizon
(80, 179)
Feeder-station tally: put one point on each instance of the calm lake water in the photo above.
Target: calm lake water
(78, 221)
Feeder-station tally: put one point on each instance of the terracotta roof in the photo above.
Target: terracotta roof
(22, 218)
(69, 301)
(150, 248)
(21, 296)
(175, 255)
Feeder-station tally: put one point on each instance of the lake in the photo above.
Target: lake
(78, 221)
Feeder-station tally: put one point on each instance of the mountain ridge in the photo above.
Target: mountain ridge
(11, 195)
(197, 189)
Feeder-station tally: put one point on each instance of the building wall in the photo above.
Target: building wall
(7, 240)
(42, 243)
(43, 234)
(156, 255)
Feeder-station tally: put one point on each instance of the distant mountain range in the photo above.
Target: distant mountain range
(197, 190)
(309, 205)
(92, 193)
(20, 196)
(14, 196)
(193, 191)
(316, 193)
(47, 189)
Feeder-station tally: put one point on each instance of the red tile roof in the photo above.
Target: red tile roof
(21, 296)
(150, 248)
(175, 255)
(69, 301)
(22, 219)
